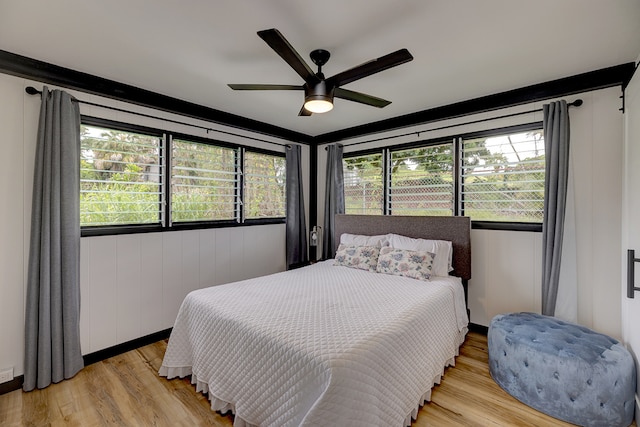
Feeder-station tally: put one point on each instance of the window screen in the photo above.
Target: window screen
(422, 181)
(120, 177)
(264, 185)
(203, 182)
(503, 177)
(363, 184)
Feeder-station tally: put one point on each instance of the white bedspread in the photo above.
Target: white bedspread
(319, 346)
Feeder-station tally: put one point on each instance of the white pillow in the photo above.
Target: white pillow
(362, 240)
(443, 250)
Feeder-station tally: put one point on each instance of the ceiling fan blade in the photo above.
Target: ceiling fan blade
(368, 68)
(304, 112)
(263, 87)
(362, 98)
(282, 47)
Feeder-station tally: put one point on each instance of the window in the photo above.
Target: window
(140, 179)
(495, 178)
(363, 185)
(503, 177)
(120, 177)
(264, 185)
(203, 182)
(422, 181)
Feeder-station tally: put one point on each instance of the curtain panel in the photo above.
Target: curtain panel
(334, 198)
(52, 314)
(556, 141)
(296, 233)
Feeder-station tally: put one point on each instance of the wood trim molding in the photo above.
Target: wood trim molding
(479, 329)
(13, 385)
(106, 353)
(22, 66)
(618, 75)
(98, 356)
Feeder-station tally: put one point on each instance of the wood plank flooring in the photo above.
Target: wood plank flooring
(126, 391)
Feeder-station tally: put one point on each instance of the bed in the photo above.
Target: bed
(327, 345)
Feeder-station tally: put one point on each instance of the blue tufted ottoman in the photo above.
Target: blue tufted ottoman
(564, 370)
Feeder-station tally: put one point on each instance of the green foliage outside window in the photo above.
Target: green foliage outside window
(119, 177)
(122, 180)
(265, 182)
(501, 178)
(363, 185)
(422, 181)
(203, 182)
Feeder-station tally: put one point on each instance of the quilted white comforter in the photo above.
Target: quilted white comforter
(319, 346)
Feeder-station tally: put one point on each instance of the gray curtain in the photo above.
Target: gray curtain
(296, 234)
(52, 327)
(556, 145)
(333, 199)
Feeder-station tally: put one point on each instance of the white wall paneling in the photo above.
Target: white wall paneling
(103, 285)
(174, 286)
(207, 254)
(133, 285)
(129, 298)
(151, 283)
(505, 273)
(12, 223)
(630, 224)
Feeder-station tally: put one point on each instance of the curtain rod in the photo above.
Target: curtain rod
(33, 91)
(576, 103)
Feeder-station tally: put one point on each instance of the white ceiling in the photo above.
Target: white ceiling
(190, 50)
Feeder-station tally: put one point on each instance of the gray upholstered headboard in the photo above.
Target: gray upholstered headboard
(456, 229)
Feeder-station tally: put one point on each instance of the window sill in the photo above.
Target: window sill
(507, 226)
(156, 228)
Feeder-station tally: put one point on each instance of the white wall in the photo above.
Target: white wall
(506, 265)
(630, 224)
(132, 285)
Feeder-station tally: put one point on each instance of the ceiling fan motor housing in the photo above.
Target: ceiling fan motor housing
(320, 92)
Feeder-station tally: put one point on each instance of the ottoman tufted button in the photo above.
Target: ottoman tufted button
(573, 371)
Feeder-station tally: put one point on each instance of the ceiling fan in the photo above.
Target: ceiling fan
(318, 90)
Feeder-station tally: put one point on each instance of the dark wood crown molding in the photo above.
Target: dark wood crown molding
(618, 75)
(33, 69)
(22, 66)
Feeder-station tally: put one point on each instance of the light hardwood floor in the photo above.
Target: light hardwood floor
(126, 391)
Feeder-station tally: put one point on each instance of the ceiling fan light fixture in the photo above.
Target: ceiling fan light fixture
(318, 98)
(317, 104)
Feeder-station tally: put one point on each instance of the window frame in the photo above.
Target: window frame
(426, 144)
(382, 153)
(266, 220)
(457, 140)
(166, 224)
(192, 225)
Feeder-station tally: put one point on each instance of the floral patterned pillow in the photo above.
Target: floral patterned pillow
(360, 257)
(402, 262)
